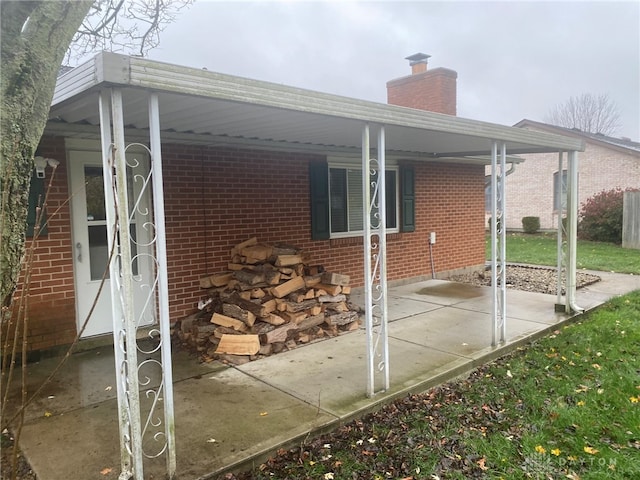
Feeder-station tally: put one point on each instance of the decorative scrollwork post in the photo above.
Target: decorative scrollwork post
(138, 299)
(498, 243)
(375, 263)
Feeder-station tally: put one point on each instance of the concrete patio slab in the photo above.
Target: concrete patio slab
(231, 417)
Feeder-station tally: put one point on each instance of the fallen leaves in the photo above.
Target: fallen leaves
(106, 471)
(590, 450)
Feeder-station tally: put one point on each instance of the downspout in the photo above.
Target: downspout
(512, 169)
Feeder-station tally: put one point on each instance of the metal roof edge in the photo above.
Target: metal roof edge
(191, 81)
(117, 69)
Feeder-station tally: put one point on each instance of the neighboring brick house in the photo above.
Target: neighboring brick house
(244, 158)
(606, 163)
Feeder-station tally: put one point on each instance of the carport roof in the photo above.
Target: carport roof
(198, 106)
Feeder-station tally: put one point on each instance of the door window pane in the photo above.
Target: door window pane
(97, 224)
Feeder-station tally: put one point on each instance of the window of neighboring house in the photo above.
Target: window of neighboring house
(36, 198)
(337, 205)
(346, 211)
(560, 201)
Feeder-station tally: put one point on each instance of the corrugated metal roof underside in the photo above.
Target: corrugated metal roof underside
(206, 107)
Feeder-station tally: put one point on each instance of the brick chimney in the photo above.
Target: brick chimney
(432, 90)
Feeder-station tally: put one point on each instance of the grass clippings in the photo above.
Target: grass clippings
(567, 406)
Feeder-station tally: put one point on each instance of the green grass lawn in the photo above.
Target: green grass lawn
(568, 406)
(541, 249)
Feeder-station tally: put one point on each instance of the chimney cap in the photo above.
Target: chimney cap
(417, 58)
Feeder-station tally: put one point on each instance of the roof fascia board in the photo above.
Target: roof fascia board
(576, 134)
(104, 68)
(120, 70)
(190, 81)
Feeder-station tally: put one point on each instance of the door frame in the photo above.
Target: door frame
(145, 310)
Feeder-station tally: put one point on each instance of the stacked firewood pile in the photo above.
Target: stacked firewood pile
(269, 300)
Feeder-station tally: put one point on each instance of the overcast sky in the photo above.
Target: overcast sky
(514, 60)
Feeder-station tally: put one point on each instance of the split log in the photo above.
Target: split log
(349, 327)
(257, 293)
(225, 321)
(215, 280)
(288, 287)
(235, 311)
(311, 322)
(233, 359)
(250, 277)
(282, 249)
(288, 260)
(273, 319)
(346, 289)
(335, 278)
(239, 344)
(330, 289)
(315, 310)
(332, 298)
(294, 317)
(220, 330)
(337, 307)
(299, 306)
(247, 243)
(235, 266)
(259, 310)
(341, 318)
(266, 349)
(311, 280)
(278, 335)
(256, 253)
(272, 277)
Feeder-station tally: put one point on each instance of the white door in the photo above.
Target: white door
(90, 244)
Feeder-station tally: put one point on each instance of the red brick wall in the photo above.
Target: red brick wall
(216, 198)
(51, 306)
(433, 90)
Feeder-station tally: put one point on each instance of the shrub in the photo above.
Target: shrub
(530, 224)
(600, 217)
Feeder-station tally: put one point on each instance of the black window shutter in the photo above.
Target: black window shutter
(36, 195)
(408, 199)
(319, 188)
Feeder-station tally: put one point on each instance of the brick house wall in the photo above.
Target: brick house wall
(530, 187)
(216, 198)
(51, 306)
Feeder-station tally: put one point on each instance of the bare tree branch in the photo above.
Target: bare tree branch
(125, 26)
(587, 112)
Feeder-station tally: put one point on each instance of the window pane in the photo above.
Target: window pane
(338, 194)
(560, 203)
(356, 207)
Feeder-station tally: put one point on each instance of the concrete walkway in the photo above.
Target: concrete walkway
(231, 417)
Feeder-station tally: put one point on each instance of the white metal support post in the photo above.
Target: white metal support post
(498, 244)
(163, 284)
(572, 234)
(125, 326)
(375, 263)
(155, 437)
(108, 166)
(560, 194)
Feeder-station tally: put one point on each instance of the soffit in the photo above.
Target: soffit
(209, 108)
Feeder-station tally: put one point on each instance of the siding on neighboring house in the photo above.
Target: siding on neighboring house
(216, 198)
(600, 167)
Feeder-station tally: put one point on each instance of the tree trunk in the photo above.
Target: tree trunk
(34, 38)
